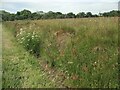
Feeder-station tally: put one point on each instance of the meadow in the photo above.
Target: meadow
(61, 53)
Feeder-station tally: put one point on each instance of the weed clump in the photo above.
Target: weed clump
(30, 41)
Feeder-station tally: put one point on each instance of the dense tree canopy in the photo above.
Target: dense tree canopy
(26, 14)
(111, 13)
(70, 15)
(89, 14)
(81, 15)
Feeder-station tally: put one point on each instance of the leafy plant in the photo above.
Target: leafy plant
(30, 41)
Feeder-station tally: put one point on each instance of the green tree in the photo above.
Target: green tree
(26, 14)
(113, 13)
(12, 17)
(88, 14)
(59, 15)
(81, 15)
(105, 14)
(95, 15)
(5, 15)
(70, 15)
(36, 16)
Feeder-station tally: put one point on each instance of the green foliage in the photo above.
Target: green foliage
(111, 13)
(26, 14)
(35, 16)
(20, 69)
(86, 50)
(30, 41)
(89, 14)
(80, 15)
(5, 15)
(70, 15)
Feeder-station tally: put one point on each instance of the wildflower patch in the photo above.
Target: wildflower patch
(30, 41)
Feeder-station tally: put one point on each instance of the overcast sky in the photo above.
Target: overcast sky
(64, 6)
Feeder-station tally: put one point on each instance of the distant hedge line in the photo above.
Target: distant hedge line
(26, 14)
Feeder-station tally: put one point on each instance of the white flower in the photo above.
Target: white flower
(22, 38)
(36, 35)
(33, 33)
(95, 62)
(32, 36)
(20, 33)
(28, 39)
(17, 35)
(49, 44)
(21, 29)
(70, 62)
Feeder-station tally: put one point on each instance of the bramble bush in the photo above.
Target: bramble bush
(30, 41)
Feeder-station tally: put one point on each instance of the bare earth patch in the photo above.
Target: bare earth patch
(62, 39)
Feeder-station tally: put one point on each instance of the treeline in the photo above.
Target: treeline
(26, 14)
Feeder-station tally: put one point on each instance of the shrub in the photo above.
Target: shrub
(30, 41)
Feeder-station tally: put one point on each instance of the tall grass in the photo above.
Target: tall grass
(85, 49)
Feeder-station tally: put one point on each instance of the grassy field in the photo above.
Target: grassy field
(61, 53)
